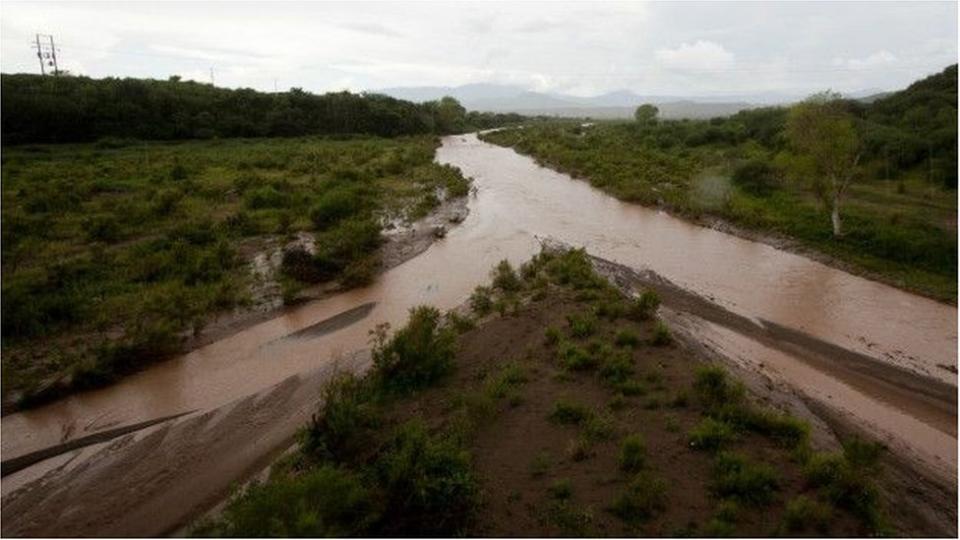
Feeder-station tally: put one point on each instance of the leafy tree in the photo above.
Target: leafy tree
(646, 114)
(827, 150)
(450, 115)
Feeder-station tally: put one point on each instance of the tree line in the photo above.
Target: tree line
(66, 109)
(912, 129)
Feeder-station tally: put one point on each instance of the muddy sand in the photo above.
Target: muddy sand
(157, 480)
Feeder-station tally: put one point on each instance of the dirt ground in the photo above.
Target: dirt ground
(537, 476)
(522, 453)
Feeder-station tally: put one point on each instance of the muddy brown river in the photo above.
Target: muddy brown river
(516, 203)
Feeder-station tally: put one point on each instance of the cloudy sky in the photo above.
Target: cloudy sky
(677, 48)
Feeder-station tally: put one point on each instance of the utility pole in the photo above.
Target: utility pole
(211, 76)
(46, 53)
(40, 56)
(53, 55)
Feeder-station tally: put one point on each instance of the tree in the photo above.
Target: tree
(646, 114)
(450, 115)
(826, 149)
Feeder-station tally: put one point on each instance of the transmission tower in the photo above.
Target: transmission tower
(46, 53)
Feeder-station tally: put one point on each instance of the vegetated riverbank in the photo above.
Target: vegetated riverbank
(558, 406)
(900, 218)
(116, 257)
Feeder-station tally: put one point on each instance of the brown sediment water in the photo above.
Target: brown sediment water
(517, 202)
(928, 440)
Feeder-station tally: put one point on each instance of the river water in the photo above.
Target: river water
(516, 202)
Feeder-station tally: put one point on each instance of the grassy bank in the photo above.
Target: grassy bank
(113, 252)
(557, 407)
(902, 231)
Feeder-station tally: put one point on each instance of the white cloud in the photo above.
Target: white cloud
(877, 59)
(675, 48)
(700, 56)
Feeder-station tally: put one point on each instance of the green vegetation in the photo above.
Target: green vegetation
(113, 111)
(899, 202)
(806, 514)
(416, 355)
(743, 480)
(323, 502)
(643, 498)
(417, 482)
(426, 444)
(566, 412)
(633, 454)
(111, 256)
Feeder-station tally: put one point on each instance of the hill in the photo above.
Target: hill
(37, 109)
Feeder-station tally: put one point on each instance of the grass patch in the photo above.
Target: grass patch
(661, 335)
(323, 502)
(643, 498)
(711, 435)
(582, 325)
(633, 454)
(570, 413)
(626, 338)
(736, 477)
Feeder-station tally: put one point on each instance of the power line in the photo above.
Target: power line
(46, 53)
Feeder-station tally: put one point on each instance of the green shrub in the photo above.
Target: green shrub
(611, 309)
(572, 520)
(582, 325)
(785, 429)
(481, 301)
(266, 197)
(580, 449)
(553, 335)
(598, 428)
(661, 335)
(428, 485)
(322, 502)
(805, 514)
(847, 479)
(643, 498)
(561, 489)
(510, 376)
(633, 454)
(573, 268)
(714, 389)
(643, 307)
(756, 176)
(338, 204)
(626, 338)
(617, 368)
(416, 355)
(574, 358)
(736, 477)
(460, 323)
(346, 411)
(505, 277)
(565, 412)
(710, 434)
(632, 387)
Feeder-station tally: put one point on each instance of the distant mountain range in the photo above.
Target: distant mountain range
(619, 104)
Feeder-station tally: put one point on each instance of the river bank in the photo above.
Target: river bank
(904, 237)
(780, 295)
(184, 466)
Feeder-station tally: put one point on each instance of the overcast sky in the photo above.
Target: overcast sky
(677, 48)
